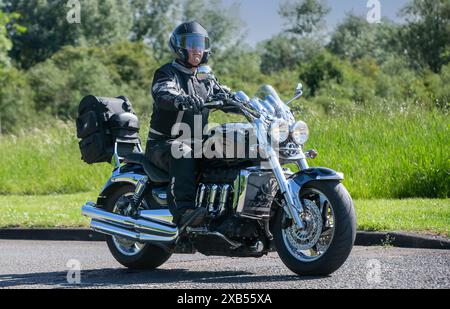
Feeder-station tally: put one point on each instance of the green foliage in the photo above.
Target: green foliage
(383, 155)
(5, 43)
(42, 161)
(240, 71)
(355, 38)
(285, 52)
(58, 94)
(386, 155)
(323, 67)
(48, 29)
(377, 113)
(341, 86)
(426, 35)
(119, 69)
(304, 17)
(104, 22)
(7, 24)
(153, 21)
(224, 25)
(16, 109)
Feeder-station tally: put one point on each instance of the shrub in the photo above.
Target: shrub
(120, 69)
(15, 100)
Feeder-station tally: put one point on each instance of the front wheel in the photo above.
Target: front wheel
(131, 254)
(327, 240)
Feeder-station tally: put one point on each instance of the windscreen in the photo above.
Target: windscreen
(271, 102)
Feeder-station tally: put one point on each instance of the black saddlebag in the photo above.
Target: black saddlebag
(103, 121)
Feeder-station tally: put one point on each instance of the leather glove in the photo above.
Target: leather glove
(194, 103)
(199, 103)
(221, 97)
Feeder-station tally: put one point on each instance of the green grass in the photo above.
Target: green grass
(46, 211)
(386, 156)
(414, 215)
(48, 161)
(397, 155)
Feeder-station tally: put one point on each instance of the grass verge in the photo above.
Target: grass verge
(412, 215)
(431, 216)
(383, 156)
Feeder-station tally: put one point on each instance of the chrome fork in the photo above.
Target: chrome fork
(294, 206)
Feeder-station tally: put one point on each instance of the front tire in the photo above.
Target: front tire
(129, 254)
(341, 237)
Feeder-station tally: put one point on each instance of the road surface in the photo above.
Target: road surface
(34, 264)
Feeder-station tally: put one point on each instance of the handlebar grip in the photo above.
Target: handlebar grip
(213, 104)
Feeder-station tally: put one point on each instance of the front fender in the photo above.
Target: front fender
(300, 179)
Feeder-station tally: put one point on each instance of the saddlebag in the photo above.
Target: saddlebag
(103, 121)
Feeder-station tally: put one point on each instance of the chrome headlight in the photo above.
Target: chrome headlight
(300, 132)
(279, 131)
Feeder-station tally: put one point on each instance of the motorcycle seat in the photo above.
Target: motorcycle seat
(155, 174)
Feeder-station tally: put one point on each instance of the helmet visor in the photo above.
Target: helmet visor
(194, 42)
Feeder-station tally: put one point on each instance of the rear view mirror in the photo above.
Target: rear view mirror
(205, 73)
(298, 93)
(299, 89)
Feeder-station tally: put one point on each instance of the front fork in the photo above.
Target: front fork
(289, 190)
(294, 206)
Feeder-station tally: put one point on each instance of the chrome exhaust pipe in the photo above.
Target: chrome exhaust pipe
(105, 228)
(143, 230)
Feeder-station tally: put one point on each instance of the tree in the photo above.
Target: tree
(323, 67)
(304, 17)
(153, 22)
(59, 83)
(5, 43)
(304, 21)
(285, 52)
(104, 22)
(426, 35)
(355, 38)
(224, 25)
(16, 106)
(48, 28)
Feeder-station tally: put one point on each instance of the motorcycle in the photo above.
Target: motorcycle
(255, 204)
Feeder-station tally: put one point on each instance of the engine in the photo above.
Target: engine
(247, 193)
(215, 198)
(239, 203)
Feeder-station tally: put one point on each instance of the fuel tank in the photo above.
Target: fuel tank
(232, 144)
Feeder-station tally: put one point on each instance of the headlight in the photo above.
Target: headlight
(300, 132)
(279, 131)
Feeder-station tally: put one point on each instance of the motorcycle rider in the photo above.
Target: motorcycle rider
(179, 97)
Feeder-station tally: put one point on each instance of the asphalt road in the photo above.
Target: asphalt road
(32, 264)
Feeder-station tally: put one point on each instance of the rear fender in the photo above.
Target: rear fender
(126, 175)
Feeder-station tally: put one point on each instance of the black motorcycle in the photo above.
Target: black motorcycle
(255, 205)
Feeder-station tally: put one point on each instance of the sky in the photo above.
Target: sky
(262, 19)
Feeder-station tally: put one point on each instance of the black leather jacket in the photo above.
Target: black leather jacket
(170, 81)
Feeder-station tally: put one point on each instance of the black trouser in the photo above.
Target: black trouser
(183, 172)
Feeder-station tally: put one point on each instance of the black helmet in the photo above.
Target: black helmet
(188, 36)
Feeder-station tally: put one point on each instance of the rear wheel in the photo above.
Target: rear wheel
(131, 254)
(327, 240)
